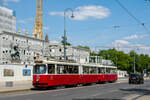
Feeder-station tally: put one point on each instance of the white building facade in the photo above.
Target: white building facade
(7, 20)
(76, 54)
(28, 47)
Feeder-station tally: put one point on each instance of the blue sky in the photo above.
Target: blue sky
(93, 24)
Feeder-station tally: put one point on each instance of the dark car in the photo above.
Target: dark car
(136, 79)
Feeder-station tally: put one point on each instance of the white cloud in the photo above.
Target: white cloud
(123, 45)
(25, 21)
(135, 37)
(56, 13)
(121, 42)
(21, 21)
(86, 12)
(5, 2)
(45, 27)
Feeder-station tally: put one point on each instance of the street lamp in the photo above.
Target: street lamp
(135, 61)
(134, 64)
(65, 37)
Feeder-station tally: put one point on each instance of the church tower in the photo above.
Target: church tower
(38, 28)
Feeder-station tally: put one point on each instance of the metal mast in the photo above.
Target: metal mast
(39, 19)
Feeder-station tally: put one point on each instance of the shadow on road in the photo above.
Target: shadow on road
(138, 90)
(97, 99)
(43, 89)
(50, 88)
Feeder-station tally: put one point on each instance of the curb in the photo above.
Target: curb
(143, 97)
(15, 90)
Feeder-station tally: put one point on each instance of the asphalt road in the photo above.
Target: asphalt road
(109, 91)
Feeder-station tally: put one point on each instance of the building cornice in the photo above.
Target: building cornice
(21, 35)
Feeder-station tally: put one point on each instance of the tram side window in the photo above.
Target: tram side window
(67, 69)
(51, 69)
(92, 70)
(85, 70)
(76, 69)
(101, 70)
(60, 69)
(108, 70)
(113, 71)
(72, 69)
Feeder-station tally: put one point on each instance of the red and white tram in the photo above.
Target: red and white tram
(56, 73)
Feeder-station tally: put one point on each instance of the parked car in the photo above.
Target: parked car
(136, 79)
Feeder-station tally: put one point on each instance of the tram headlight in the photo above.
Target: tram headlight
(37, 80)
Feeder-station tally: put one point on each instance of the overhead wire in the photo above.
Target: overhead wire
(130, 14)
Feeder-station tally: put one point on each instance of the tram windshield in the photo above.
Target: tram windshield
(39, 69)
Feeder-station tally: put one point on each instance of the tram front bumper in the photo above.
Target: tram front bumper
(40, 84)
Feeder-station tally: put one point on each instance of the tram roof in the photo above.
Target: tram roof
(71, 63)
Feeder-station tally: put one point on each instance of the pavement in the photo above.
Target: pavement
(17, 86)
(145, 97)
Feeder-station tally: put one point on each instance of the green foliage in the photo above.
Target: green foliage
(126, 61)
(84, 47)
(93, 54)
(67, 43)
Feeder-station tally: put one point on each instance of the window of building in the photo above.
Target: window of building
(53, 50)
(60, 50)
(24, 52)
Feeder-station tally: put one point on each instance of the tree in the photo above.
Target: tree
(125, 61)
(67, 43)
(84, 47)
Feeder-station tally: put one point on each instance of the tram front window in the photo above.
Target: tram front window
(39, 69)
